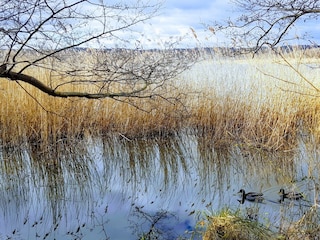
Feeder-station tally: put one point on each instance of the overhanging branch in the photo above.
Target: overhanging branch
(14, 76)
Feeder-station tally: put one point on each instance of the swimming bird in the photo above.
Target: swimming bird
(290, 195)
(250, 196)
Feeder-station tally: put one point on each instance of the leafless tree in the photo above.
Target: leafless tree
(267, 22)
(71, 40)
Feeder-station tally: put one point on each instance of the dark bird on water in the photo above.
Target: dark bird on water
(250, 196)
(290, 195)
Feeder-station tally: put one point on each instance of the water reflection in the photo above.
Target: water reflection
(119, 189)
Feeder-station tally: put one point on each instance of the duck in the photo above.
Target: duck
(251, 196)
(290, 195)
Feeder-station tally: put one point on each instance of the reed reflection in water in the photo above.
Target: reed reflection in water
(115, 188)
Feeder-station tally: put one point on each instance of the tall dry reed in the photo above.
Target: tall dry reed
(262, 102)
(245, 101)
(28, 115)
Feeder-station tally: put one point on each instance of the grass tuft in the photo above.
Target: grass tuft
(231, 225)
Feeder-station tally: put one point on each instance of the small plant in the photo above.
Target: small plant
(228, 224)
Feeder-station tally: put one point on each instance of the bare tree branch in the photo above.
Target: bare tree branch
(71, 40)
(267, 22)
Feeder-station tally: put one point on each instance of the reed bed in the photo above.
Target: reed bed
(256, 103)
(42, 119)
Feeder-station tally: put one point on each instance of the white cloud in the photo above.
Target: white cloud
(186, 21)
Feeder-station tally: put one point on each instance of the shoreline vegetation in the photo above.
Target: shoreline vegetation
(264, 102)
(231, 224)
(268, 102)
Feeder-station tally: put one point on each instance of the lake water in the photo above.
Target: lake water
(119, 189)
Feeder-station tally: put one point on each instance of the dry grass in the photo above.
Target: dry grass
(240, 100)
(248, 102)
(267, 127)
(307, 227)
(28, 115)
(23, 119)
(230, 225)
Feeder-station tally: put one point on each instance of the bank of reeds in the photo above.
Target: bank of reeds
(232, 101)
(44, 119)
(268, 127)
(259, 103)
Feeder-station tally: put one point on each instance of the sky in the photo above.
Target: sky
(183, 20)
(178, 19)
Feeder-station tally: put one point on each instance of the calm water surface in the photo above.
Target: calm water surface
(119, 189)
